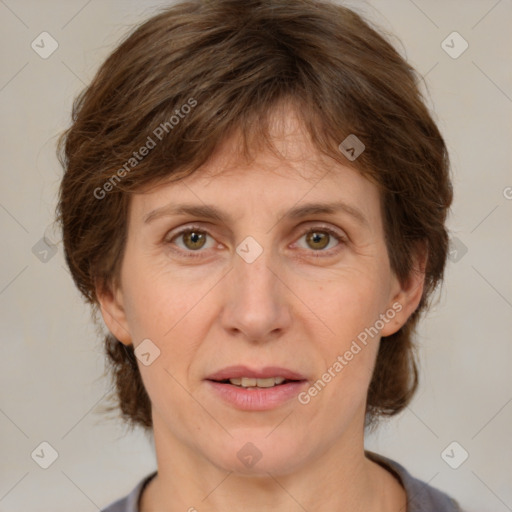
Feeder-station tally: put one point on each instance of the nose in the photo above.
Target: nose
(256, 306)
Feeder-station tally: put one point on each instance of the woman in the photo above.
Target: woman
(255, 199)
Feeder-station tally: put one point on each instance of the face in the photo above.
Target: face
(237, 279)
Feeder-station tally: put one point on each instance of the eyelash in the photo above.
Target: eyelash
(197, 254)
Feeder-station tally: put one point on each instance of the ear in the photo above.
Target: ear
(406, 296)
(110, 298)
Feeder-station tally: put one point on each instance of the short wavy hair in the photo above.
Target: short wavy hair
(231, 63)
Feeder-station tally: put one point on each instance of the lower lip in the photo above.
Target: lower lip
(257, 399)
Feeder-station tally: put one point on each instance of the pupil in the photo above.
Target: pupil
(195, 238)
(318, 238)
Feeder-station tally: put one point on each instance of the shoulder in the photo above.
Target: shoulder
(130, 503)
(421, 497)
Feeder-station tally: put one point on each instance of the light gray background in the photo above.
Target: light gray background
(52, 359)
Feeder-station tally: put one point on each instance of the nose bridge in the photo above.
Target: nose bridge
(256, 278)
(255, 304)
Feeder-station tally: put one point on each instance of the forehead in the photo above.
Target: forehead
(290, 171)
(288, 147)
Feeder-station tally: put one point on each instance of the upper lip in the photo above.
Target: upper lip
(237, 372)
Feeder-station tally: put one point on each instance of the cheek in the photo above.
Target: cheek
(169, 309)
(349, 308)
(153, 299)
(347, 305)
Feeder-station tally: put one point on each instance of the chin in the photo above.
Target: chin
(259, 454)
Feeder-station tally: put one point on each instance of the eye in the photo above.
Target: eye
(322, 239)
(192, 240)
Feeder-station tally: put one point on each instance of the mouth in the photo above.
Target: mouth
(246, 377)
(253, 383)
(256, 390)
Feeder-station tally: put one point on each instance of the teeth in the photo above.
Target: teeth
(250, 382)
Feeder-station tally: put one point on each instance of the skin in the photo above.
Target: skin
(292, 307)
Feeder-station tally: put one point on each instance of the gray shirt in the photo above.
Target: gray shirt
(421, 497)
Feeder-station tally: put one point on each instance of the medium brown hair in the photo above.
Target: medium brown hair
(233, 62)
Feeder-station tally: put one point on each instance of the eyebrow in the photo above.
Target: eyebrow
(211, 212)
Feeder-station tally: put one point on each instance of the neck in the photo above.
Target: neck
(341, 479)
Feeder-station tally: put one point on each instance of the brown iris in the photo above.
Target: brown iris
(317, 237)
(195, 239)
